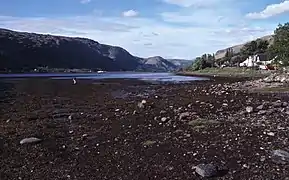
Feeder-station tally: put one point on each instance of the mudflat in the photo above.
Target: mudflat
(132, 130)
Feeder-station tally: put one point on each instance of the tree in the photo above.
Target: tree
(205, 61)
(254, 47)
(198, 64)
(249, 49)
(262, 46)
(228, 55)
(280, 48)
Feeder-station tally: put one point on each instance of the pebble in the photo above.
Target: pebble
(184, 115)
(280, 156)
(140, 105)
(30, 140)
(206, 170)
(164, 119)
(284, 104)
(277, 104)
(271, 134)
(148, 143)
(261, 107)
(262, 112)
(263, 158)
(249, 109)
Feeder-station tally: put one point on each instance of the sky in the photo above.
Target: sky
(168, 28)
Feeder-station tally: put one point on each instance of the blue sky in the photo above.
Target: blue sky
(169, 28)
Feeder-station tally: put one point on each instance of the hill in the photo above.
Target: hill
(181, 63)
(156, 64)
(22, 51)
(237, 48)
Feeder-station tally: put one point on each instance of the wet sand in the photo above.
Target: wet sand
(98, 130)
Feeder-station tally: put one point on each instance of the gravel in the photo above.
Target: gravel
(112, 138)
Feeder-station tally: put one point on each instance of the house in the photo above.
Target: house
(258, 60)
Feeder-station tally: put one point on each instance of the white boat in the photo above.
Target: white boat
(100, 71)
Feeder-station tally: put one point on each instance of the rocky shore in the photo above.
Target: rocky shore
(132, 130)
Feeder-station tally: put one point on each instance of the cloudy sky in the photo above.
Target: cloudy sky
(170, 28)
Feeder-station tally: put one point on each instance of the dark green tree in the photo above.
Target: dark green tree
(280, 47)
(228, 56)
(262, 46)
(205, 61)
(249, 49)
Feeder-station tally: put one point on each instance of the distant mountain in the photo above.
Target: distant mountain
(157, 64)
(237, 48)
(22, 51)
(181, 63)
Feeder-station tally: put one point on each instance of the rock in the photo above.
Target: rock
(164, 119)
(280, 156)
(263, 158)
(206, 170)
(284, 104)
(270, 111)
(163, 112)
(30, 140)
(184, 115)
(148, 143)
(249, 109)
(261, 107)
(271, 134)
(277, 104)
(140, 105)
(262, 112)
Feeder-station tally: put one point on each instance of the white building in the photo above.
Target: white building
(258, 60)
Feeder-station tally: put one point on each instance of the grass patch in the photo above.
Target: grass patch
(231, 71)
(273, 90)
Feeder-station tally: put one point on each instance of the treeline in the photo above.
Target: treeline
(279, 50)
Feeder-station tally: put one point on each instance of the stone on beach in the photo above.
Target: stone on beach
(30, 140)
(206, 170)
(280, 156)
(249, 109)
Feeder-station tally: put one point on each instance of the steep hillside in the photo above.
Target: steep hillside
(157, 63)
(21, 51)
(236, 49)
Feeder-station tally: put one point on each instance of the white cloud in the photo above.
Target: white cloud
(85, 1)
(270, 10)
(130, 13)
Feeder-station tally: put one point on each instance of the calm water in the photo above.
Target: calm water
(157, 77)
